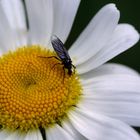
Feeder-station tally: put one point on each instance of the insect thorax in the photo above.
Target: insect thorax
(67, 63)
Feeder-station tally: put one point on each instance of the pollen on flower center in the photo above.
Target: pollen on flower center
(35, 91)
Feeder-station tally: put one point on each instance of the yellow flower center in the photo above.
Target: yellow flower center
(35, 90)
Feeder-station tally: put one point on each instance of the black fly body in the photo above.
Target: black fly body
(62, 53)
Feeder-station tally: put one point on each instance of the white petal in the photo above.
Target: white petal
(107, 69)
(15, 136)
(96, 35)
(117, 96)
(98, 127)
(40, 14)
(4, 134)
(112, 82)
(70, 129)
(7, 40)
(16, 17)
(15, 13)
(33, 135)
(124, 37)
(58, 133)
(64, 13)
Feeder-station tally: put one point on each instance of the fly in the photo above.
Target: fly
(62, 53)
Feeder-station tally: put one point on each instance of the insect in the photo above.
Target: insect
(62, 54)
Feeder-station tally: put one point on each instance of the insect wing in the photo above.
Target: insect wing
(59, 48)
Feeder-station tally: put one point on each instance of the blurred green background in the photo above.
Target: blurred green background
(130, 13)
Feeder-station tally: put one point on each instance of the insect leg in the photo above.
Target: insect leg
(64, 74)
(54, 57)
(50, 57)
(74, 68)
(63, 69)
(55, 65)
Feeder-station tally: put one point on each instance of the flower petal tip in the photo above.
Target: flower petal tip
(111, 8)
(134, 35)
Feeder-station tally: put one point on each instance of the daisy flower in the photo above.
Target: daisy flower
(39, 100)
